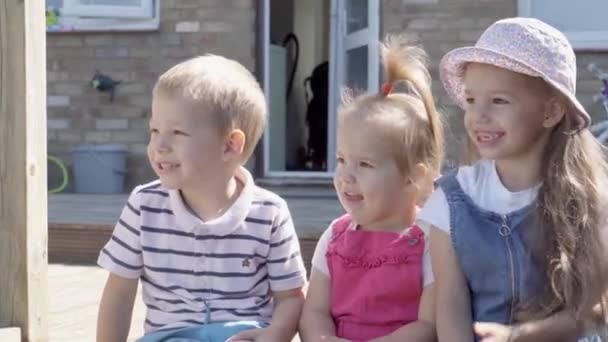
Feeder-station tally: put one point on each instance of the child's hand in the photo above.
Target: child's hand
(494, 332)
(259, 335)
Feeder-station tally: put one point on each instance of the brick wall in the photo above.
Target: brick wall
(78, 114)
(442, 25)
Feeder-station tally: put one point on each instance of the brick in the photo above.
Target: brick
(51, 135)
(99, 40)
(57, 101)
(168, 5)
(69, 136)
(57, 76)
(423, 24)
(169, 15)
(130, 136)
(142, 124)
(51, 64)
(133, 88)
(97, 137)
(58, 123)
(440, 36)
(122, 111)
(138, 148)
(68, 41)
(55, 112)
(187, 26)
(70, 52)
(141, 100)
(170, 39)
(484, 23)
(469, 35)
(172, 52)
(127, 40)
(112, 52)
(460, 23)
(248, 4)
(142, 52)
(111, 124)
(419, 2)
(68, 88)
(209, 13)
(187, 4)
(203, 41)
(187, 15)
(210, 26)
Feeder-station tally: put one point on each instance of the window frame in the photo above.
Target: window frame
(580, 40)
(72, 23)
(74, 8)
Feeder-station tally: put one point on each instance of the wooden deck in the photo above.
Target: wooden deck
(311, 210)
(80, 224)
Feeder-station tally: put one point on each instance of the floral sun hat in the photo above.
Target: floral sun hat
(523, 45)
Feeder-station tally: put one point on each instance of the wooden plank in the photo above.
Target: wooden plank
(10, 335)
(23, 198)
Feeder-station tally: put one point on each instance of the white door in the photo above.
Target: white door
(354, 56)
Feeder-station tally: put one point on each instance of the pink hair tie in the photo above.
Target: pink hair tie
(386, 88)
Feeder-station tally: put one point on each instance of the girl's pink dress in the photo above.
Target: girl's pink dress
(376, 279)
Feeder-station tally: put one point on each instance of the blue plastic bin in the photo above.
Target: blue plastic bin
(99, 168)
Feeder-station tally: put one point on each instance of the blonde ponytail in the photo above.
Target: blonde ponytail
(405, 62)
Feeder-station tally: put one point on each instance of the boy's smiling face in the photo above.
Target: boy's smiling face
(186, 149)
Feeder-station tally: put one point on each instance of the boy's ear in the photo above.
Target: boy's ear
(234, 145)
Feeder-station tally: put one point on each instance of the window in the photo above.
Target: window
(583, 22)
(108, 8)
(102, 15)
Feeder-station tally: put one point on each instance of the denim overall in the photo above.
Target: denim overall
(494, 255)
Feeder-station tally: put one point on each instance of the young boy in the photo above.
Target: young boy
(217, 256)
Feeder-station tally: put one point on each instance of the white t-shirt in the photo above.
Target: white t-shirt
(483, 185)
(319, 261)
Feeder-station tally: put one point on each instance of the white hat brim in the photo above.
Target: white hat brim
(453, 66)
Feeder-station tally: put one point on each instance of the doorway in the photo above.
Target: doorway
(314, 49)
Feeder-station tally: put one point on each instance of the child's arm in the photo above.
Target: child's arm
(316, 318)
(284, 324)
(116, 308)
(286, 314)
(454, 317)
(421, 330)
(560, 327)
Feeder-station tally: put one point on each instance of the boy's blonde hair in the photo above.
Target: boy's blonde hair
(222, 88)
(408, 119)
